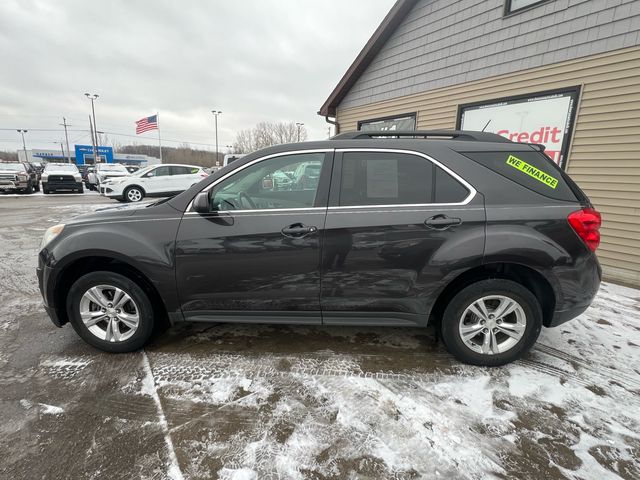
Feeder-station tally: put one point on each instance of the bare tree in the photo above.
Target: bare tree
(266, 134)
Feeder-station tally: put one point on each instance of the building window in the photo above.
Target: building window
(402, 122)
(512, 6)
(545, 118)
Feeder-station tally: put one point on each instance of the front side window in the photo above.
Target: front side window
(159, 172)
(288, 181)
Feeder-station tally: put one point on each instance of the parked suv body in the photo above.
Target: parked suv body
(63, 177)
(154, 181)
(18, 177)
(484, 237)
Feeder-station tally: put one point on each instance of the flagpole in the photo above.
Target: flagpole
(159, 139)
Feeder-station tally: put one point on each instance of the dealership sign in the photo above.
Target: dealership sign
(545, 118)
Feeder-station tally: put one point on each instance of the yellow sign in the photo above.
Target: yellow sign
(532, 171)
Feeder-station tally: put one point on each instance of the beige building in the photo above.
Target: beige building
(564, 73)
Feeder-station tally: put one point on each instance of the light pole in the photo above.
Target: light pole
(215, 115)
(24, 145)
(93, 97)
(299, 125)
(61, 147)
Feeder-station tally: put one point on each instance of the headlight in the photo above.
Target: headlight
(44, 176)
(77, 176)
(50, 234)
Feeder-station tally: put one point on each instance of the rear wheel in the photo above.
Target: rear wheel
(110, 312)
(133, 194)
(491, 322)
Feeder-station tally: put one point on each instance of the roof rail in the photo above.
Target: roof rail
(465, 135)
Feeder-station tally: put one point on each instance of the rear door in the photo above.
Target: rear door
(257, 255)
(400, 226)
(184, 177)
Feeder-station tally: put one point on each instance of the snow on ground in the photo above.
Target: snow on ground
(261, 402)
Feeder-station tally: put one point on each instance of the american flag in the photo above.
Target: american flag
(147, 123)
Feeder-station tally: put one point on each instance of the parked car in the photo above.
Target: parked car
(61, 177)
(18, 177)
(105, 171)
(487, 239)
(154, 181)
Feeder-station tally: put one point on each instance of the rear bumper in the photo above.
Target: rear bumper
(580, 286)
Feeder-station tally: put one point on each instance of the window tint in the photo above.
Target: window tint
(532, 170)
(288, 181)
(381, 178)
(183, 170)
(448, 189)
(159, 172)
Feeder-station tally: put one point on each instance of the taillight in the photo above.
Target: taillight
(586, 223)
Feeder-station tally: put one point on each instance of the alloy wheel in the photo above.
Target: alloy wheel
(109, 313)
(134, 195)
(492, 324)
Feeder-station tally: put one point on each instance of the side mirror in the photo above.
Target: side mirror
(201, 203)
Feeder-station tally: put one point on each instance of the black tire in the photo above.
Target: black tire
(37, 187)
(29, 189)
(464, 298)
(145, 311)
(45, 190)
(129, 194)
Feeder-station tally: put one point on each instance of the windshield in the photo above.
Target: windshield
(11, 166)
(61, 167)
(105, 167)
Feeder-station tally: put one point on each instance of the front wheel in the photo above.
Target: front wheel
(110, 312)
(133, 194)
(491, 322)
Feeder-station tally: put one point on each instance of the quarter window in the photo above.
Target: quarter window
(288, 181)
(386, 178)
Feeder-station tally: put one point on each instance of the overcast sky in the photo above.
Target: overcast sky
(255, 60)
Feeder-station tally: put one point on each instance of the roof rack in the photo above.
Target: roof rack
(463, 135)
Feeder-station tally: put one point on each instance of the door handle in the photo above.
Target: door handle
(298, 230)
(441, 222)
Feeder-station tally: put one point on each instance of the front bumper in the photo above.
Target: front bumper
(46, 277)
(110, 191)
(55, 186)
(12, 185)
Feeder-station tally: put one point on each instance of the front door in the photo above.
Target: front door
(256, 256)
(399, 227)
(157, 180)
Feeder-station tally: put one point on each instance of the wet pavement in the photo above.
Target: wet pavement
(262, 402)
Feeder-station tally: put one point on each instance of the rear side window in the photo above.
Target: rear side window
(532, 170)
(183, 170)
(387, 178)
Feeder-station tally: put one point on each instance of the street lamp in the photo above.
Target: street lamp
(215, 115)
(24, 145)
(61, 147)
(299, 125)
(94, 97)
